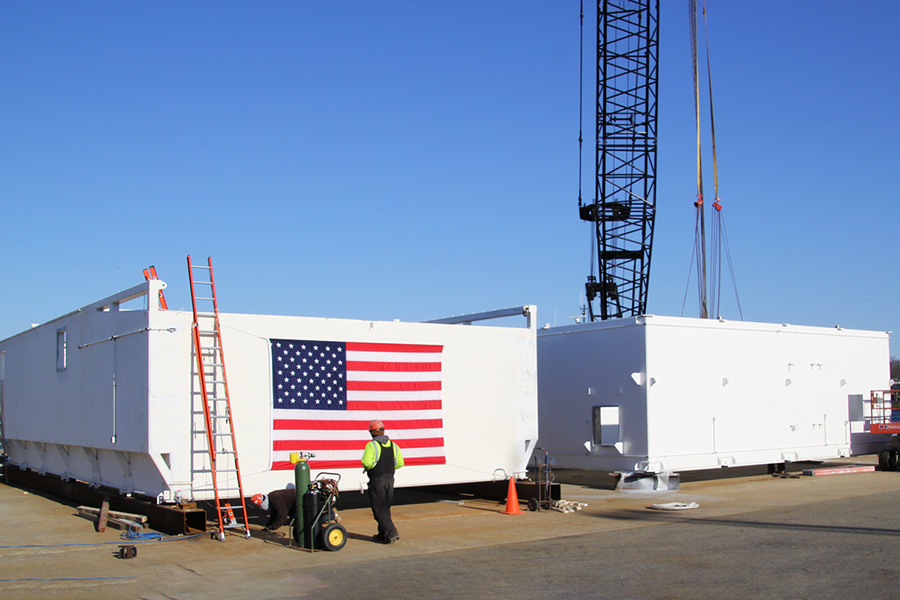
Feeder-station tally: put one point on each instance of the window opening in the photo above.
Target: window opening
(605, 420)
(61, 350)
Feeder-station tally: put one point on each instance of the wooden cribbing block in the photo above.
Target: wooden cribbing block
(104, 515)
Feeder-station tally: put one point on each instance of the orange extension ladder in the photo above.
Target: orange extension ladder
(219, 458)
(150, 273)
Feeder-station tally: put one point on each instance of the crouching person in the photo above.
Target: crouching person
(281, 504)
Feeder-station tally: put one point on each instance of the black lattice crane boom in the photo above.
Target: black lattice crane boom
(624, 206)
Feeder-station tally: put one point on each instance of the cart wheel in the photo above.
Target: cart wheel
(884, 460)
(533, 504)
(333, 536)
(892, 461)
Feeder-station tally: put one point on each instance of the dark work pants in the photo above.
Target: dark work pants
(381, 496)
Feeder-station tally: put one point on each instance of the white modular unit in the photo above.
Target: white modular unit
(660, 394)
(104, 395)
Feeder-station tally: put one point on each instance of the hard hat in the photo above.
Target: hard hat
(257, 499)
(375, 425)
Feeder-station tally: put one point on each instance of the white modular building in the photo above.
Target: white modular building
(108, 395)
(658, 394)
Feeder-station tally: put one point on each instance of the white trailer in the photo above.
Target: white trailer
(658, 394)
(105, 395)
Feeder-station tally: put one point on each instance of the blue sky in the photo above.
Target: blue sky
(415, 160)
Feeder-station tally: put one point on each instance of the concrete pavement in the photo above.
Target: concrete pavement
(753, 535)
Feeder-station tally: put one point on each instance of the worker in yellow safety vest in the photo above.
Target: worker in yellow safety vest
(381, 458)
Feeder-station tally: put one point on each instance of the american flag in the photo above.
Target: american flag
(325, 394)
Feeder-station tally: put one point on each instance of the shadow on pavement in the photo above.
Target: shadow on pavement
(662, 516)
(605, 480)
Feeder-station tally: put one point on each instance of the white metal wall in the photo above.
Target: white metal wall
(489, 393)
(699, 394)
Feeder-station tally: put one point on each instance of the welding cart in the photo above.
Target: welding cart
(543, 477)
(323, 528)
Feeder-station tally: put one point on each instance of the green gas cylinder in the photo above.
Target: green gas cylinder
(301, 483)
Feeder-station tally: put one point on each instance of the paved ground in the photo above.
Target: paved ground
(753, 536)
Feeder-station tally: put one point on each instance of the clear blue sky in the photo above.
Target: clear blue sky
(415, 160)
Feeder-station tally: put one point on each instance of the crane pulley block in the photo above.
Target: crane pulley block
(605, 211)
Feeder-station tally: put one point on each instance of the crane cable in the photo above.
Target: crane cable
(719, 238)
(593, 229)
(712, 120)
(580, 102)
(715, 242)
(700, 227)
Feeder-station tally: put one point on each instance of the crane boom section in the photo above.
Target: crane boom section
(624, 206)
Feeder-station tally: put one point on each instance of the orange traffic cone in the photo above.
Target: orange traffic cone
(512, 499)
